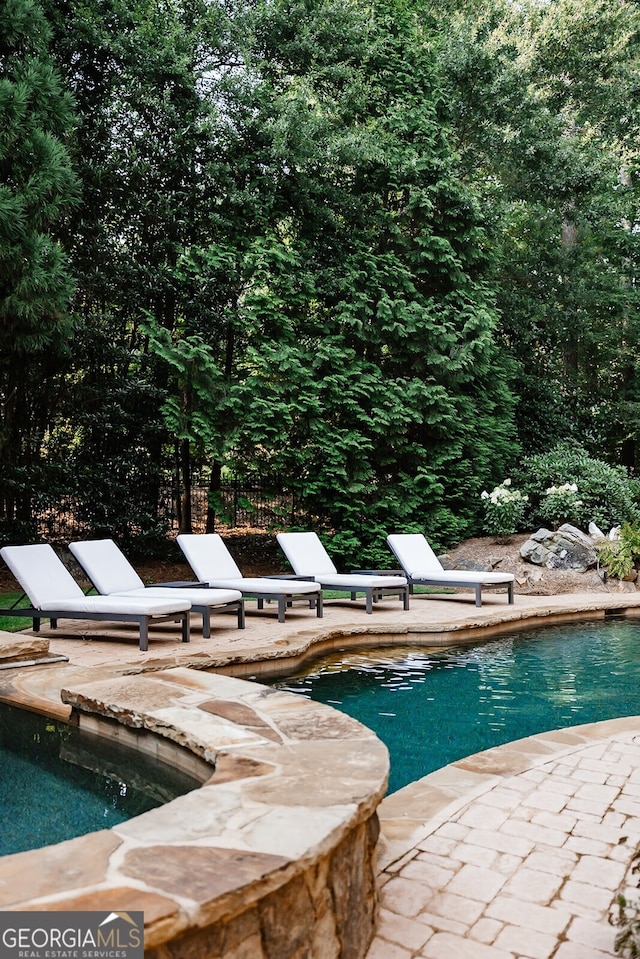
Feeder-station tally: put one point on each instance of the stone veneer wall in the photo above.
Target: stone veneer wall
(328, 911)
(272, 858)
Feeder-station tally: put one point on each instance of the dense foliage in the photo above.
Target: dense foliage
(37, 186)
(604, 493)
(377, 251)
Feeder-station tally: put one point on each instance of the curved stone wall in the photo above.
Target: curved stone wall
(272, 858)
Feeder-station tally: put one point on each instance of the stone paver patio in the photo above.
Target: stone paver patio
(525, 867)
(516, 853)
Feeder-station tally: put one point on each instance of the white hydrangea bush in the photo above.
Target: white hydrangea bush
(504, 509)
(561, 504)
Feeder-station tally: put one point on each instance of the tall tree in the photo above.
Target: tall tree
(37, 188)
(270, 195)
(146, 144)
(546, 121)
(369, 370)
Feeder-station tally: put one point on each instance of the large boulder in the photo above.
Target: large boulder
(567, 549)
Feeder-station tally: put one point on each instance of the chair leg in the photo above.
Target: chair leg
(282, 607)
(206, 623)
(478, 595)
(510, 592)
(241, 617)
(186, 627)
(319, 605)
(144, 635)
(369, 601)
(405, 598)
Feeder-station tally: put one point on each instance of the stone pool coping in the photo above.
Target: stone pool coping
(408, 817)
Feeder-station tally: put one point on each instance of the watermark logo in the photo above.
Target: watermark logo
(71, 935)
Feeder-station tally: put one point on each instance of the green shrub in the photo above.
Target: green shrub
(607, 494)
(619, 556)
(442, 527)
(560, 504)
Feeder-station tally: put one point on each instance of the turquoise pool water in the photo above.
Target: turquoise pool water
(433, 706)
(58, 783)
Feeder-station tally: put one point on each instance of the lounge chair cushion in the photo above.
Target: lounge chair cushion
(359, 581)
(108, 568)
(414, 553)
(193, 594)
(462, 576)
(208, 556)
(307, 555)
(419, 562)
(42, 575)
(154, 606)
(211, 561)
(265, 585)
(50, 586)
(113, 575)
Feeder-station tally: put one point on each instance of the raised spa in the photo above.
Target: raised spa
(58, 782)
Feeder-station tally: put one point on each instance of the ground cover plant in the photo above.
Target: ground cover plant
(625, 916)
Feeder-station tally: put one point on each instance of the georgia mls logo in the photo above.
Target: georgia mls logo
(71, 935)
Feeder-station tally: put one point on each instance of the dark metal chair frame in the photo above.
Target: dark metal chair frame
(143, 621)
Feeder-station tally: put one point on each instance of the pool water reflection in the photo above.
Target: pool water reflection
(433, 706)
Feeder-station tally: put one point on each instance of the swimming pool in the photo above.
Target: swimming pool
(434, 706)
(58, 783)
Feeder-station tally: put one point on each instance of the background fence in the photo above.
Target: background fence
(259, 504)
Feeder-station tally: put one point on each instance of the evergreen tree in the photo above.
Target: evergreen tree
(369, 370)
(269, 195)
(37, 186)
(146, 139)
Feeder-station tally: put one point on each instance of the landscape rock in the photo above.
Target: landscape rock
(624, 586)
(568, 549)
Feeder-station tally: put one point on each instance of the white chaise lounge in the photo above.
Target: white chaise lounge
(422, 567)
(54, 594)
(308, 557)
(113, 575)
(211, 561)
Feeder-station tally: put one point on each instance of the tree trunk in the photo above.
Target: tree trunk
(214, 496)
(186, 525)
